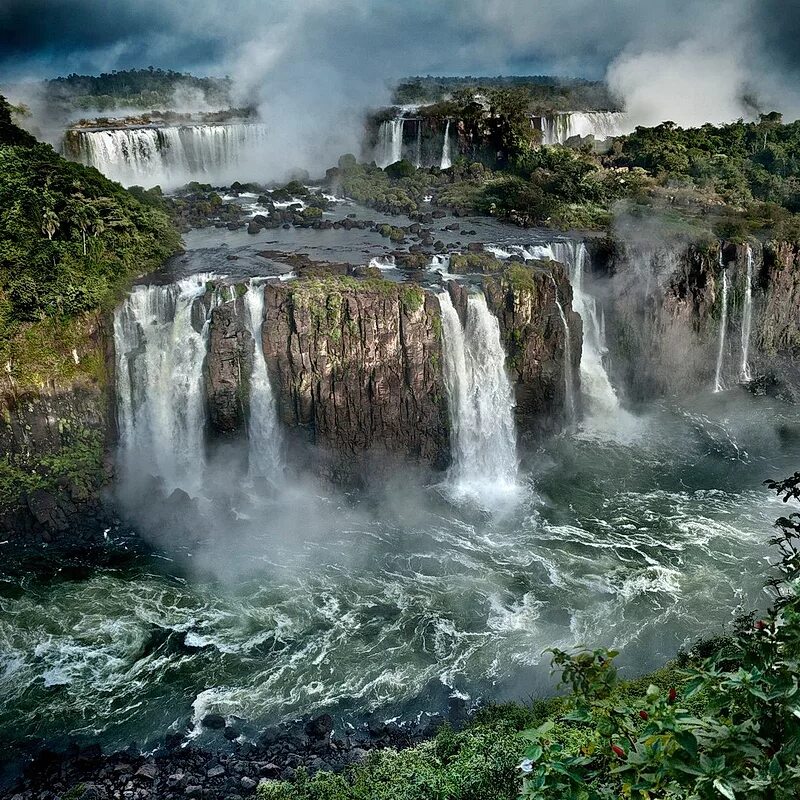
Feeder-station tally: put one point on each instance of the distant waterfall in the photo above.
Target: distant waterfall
(569, 383)
(723, 328)
(265, 441)
(558, 128)
(747, 319)
(390, 142)
(600, 398)
(481, 402)
(170, 155)
(418, 148)
(446, 161)
(159, 373)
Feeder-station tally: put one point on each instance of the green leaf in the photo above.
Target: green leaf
(775, 768)
(688, 741)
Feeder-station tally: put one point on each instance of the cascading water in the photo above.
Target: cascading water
(265, 456)
(601, 400)
(481, 403)
(390, 142)
(569, 383)
(723, 328)
(159, 361)
(747, 319)
(418, 148)
(446, 161)
(558, 128)
(169, 155)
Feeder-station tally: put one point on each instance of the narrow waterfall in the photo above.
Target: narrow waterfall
(747, 319)
(569, 383)
(601, 400)
(390, 142)
(446, 161)
(168, 156)
(481, 402)
(265, 456)
(418, 147)
(723, 328)
(159, 373)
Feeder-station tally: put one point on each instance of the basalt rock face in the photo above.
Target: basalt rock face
(357, 371)
(776, 318)
(227, 369)
(666, 316)
(524, 301)
(54, 442)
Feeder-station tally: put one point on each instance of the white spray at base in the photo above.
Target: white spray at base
(159, 366)
(446, 161)
(723, 328)
(481, 402)
(745, 374)
(265, 443)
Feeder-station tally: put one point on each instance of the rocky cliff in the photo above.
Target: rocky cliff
(227, 369)
(54, 442)
(523, 298)
(668, 307)
(357, 371)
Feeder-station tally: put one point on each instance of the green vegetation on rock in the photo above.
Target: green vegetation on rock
(70, 243)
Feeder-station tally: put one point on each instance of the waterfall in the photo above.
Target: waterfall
(418, 148)
(390, 142)
(446, 161)
(170, 155)
(481, 402)
(569, 384)
(723, 327)
(263, 431)
(159, 373)
(747, 319)
(558, 128)
(601, 400)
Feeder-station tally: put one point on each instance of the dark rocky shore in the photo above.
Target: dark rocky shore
(179, 769)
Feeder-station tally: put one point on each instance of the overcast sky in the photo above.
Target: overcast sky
(309, 64)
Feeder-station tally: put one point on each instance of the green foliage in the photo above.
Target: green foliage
(70, 239)
(475, 263)
(133, 88)
(400, 169)
(412, 297)
(742, 741)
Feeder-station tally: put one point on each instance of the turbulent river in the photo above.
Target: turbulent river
(642, 536)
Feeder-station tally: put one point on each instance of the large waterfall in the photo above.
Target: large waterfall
(446, 161)
(265, 441)
(160, 342)
(481, 403)
(719, 383)
(747, 319)
(170, 156)
(558, 128)
(390, 142)
(600, 398)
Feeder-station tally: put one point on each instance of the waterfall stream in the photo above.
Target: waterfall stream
(719, 384)
(569, 387)
(169, 155)
(558, 128)
(265, 442)
(481, 403)
(745, 374)
(159, 366)
(600, 398)
(446, 161)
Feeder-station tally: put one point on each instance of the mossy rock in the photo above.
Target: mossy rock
(475, 263)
